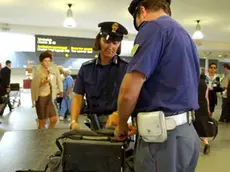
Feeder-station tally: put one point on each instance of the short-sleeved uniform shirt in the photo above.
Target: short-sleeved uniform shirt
(68, 83)
(167, 56)
(101, 84)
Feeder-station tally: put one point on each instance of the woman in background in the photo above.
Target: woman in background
(213, 82)
(41, 92)
(202, 114)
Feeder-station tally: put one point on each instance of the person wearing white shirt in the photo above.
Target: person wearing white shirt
(213, 82)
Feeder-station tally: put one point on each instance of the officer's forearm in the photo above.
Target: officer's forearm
(76, 106)
(128, 96)
(126, 106)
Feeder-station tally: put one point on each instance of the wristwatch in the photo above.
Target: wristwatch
(73, 121)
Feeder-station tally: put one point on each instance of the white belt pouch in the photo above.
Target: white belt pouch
(152, 126)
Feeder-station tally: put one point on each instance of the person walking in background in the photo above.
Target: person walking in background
(213, 82)
(41, 92)
(225, 116)
(56, 82)
(61, 70)
(58, 100)
(67, 98)
(5, 82)
(202, 71)
(202, 114)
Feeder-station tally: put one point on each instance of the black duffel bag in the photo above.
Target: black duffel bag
(212, 127)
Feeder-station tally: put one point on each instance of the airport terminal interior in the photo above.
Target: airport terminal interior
(68, 29)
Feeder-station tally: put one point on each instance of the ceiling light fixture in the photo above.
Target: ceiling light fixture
(198, 35)
(69, 21)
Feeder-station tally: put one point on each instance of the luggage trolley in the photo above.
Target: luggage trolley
(15, 94)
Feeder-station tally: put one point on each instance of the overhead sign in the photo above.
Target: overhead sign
(65, 46)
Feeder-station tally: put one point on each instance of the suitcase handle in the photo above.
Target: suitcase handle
(88, 135)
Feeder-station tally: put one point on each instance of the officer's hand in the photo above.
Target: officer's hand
(121, 132)
(112, 120)
(132, 130)
(74, 126)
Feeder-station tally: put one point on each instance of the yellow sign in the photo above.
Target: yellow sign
(62, 49)
(134, 50)
(81, 50)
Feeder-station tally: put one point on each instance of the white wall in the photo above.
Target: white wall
(17, 76)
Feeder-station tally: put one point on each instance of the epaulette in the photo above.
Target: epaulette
(88, 62)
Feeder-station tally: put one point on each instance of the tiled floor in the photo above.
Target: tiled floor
(24, 118)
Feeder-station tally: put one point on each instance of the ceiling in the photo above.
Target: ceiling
(88, 13)
(214, 18)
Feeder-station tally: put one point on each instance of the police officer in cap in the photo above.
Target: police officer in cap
(161, 84)
(99, 79)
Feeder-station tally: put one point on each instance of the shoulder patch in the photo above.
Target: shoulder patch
(88, 62)
(135, 49)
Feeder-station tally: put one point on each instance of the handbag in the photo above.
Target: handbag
(212, 127)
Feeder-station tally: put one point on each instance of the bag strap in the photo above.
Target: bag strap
(215, 135)
(216, 123)
(46, 168)
(58, 144)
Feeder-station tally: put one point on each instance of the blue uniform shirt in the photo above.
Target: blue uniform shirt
(101, 84)
(68, 82)
(168, 57)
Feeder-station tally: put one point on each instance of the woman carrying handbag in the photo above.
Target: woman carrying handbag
(202, 114)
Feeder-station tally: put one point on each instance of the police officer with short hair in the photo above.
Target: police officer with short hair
(99, 79)
(161, 87)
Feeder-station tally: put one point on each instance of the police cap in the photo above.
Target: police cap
(136, 3)
(112, 31)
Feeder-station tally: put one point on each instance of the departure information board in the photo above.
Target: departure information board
(67, 47)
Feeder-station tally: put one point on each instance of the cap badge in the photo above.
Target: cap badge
(115, 26)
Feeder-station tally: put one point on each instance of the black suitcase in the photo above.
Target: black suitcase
(92, 152)
(89, 151)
